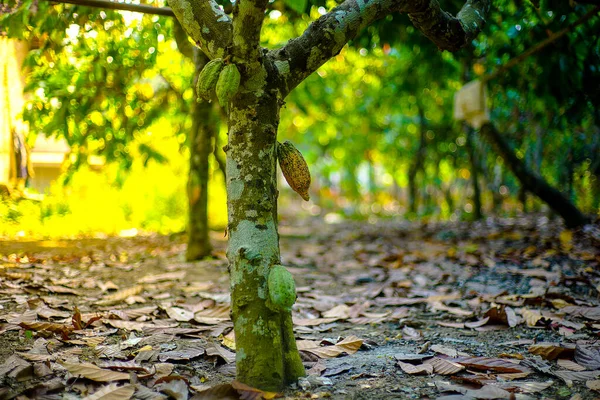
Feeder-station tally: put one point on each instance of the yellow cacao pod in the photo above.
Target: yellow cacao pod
(207, 80)
(228, 84)
(294, 168)
(282, 289)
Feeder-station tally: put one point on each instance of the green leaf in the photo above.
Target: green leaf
(297, 5)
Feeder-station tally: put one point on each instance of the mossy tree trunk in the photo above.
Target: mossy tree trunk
(266, 356)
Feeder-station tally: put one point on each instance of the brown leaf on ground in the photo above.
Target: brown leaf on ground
(443, 366)
(340, 311)
(526, 387)
(532, 317)
(168, 276)
(112, 392)
(176, 387)
(449, 351)
(551, 351)
(317, 369)
(124, 365)
(182, 354)
(592, 313)
(502, 314)
(593, 384)
(216, 350)
(587, 356)
(439, 306)
(416, 369)
(486, 392)
(179, 314)
(313, 321)
(477, 324)
(249, 393)
(218, 392)
(350, 345)
(458, 325)
(92, 372)
(492, 364)
(577, 375)
(570, 365)
(121, 295)
(410, 333)
(62, 329)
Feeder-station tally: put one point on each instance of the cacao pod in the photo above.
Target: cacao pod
(207, 80)
(294, 168)
(228, 84)
(282, 289)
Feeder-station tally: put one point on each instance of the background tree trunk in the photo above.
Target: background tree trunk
(533, 183)
(204, 127)
(473, 159)
(417, 164)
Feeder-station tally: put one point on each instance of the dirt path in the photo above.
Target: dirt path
(385, 311)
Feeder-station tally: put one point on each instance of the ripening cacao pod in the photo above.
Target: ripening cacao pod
(207, 80)
(282, 289)
(294, 168)
(228, 84)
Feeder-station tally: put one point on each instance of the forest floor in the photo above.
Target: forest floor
(507, 308)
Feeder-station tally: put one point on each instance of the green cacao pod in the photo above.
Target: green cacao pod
(228, 84)
(282, 289)
(294, 168)
(207, 80)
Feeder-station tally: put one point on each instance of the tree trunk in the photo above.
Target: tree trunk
(477, 215)
(417, 164)
(267, 356)
(534, 183)
(203, 129)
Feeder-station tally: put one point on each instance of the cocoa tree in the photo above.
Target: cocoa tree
(267, 356)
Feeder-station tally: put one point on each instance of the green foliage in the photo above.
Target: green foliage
(151, 197)
(363, 121)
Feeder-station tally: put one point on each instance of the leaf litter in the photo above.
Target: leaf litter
(503, 309)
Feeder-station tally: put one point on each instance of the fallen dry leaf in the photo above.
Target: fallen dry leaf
(112, 392)
(92, 372)
(416, 369)
(443, 366)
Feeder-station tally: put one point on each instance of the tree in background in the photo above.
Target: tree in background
(111, 96)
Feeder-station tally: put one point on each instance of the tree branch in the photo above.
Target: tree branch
(448, 32)
(325, 37)
(248, 16)
(181, 38)
(113, 5)
(206, 24)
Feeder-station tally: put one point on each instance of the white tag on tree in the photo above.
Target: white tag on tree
(470, 104)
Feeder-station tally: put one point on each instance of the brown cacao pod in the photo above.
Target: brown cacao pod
(294, 168)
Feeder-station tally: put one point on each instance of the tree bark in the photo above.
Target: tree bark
(477, 212)
(535, 184)
(266, 355)
(203, 129)
(417, 164)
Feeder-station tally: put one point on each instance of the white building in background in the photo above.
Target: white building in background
(40, 165)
